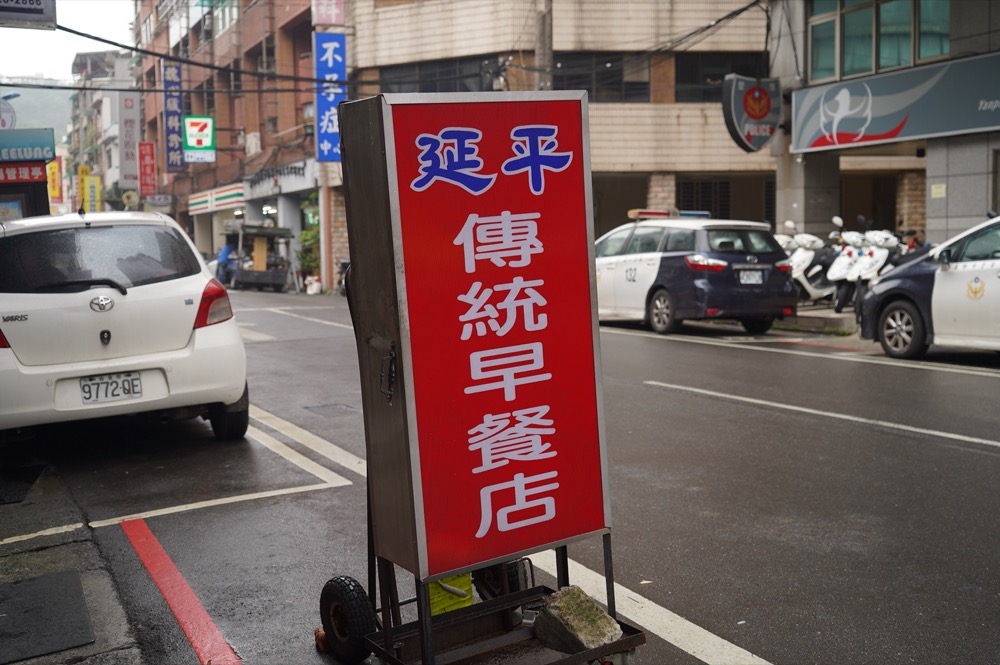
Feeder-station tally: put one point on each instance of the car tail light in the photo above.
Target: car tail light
(784, 266)
(703, 263)
(215, 306)
(4, 344)
(788, 311)
(713, 311)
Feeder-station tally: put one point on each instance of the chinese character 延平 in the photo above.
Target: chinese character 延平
(534, 147)
(452, 156)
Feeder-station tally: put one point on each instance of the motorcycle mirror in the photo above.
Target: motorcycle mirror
(838, 221)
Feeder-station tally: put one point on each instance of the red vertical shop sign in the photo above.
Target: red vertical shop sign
(147, 169)
(496, 243)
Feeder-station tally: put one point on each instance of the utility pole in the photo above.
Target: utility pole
(543, 47)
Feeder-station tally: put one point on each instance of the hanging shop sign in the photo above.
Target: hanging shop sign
(173, 110)
(18, 172)
(54, 177)
(147, 168)
(491, 225)
(128, 139)
(199, 139)
(220, 198)
(752, 109)
(331, 68)
(40, 14)
(23, 145)
(955, 97)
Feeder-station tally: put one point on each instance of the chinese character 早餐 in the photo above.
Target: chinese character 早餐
(452, 156)
(521, 485)
(501, 440)
(483, 316)
(534, 151)
(512, 366)
(498, 238)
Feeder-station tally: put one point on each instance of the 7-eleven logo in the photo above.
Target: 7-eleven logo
(199, 132)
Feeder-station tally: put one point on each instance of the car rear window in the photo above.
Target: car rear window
(81, 257)
(743, 241)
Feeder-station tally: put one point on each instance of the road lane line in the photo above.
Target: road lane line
(298, 459)
(211, 503)
(205, 637)
(676, 630)
(54, 531)
(332, 452)
(829, 414)
(847, 356)
(277, 310)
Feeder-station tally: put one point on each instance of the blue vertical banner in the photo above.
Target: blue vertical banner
(331, 68)
(173, 109)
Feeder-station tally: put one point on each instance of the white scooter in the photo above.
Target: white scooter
(880, 246)
(841, 267)
(809, 262)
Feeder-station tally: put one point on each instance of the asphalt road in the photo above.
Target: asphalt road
(789, 498)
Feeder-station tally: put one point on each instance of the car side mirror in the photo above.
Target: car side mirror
(944, 257)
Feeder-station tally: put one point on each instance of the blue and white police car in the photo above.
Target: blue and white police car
(949, 297)
(668, 266)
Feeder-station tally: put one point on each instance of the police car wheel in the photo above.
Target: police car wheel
(901, 331)
(757, 326)
(660, 313)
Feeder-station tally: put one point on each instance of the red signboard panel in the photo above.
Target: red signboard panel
(495, 230)
(147, 169)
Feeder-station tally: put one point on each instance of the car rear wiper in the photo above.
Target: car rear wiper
(85, 283)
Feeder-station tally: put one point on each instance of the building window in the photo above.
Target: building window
(607, 77)
(711, 195)
(456, 75)
(858, 37)
(699, 75)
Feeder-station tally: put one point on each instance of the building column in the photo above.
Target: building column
(662, 192)
(807, 187)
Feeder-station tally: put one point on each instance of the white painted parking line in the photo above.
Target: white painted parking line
(211, 503)
(287, 312)
(54, 531)
(317, 444)
(663, 623)
(253, 335)
(829, 414)
(297, 458)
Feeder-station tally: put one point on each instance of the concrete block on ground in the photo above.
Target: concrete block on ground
(572, 622)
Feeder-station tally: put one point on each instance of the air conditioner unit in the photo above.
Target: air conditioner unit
(265, 64)
(252, 143)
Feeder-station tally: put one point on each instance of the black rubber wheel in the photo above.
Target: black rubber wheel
(901, 331)
(757, 326)
(660, 313)
(347, 617)
(230, 424)
(842, 296)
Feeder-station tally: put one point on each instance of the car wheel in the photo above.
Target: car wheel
(757, 326)
(231, 423)
(660, 313)
(901, 331)
(347, 617)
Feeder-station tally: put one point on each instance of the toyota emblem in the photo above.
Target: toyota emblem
(102, 304)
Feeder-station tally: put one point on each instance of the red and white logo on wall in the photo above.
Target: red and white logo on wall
(496, 247)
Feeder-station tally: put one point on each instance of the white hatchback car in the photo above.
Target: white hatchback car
(116, 313)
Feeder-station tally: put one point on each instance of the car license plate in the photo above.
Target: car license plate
(751, 277)
(110, 387)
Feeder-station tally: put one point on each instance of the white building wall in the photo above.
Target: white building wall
(624, 137)
(667, 137)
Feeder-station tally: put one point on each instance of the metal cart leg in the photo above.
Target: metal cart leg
(426, 632)
(562, 567)
(609, 576)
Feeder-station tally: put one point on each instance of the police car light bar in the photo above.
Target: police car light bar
(640, 213)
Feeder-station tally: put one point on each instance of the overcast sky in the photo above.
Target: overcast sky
(50, 53)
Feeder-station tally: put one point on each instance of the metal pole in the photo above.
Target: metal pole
(609, 576)
(325, 260)
(562, 567)
(543, 48)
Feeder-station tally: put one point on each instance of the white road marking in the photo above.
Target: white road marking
(40, 534)
(680, 632)
(211, 503)
(849, 355)
(297, 458)
(277, 310)
(318, 445)
(830, 414)
(254, 336)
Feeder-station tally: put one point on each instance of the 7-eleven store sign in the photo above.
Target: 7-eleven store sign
(199, 138)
